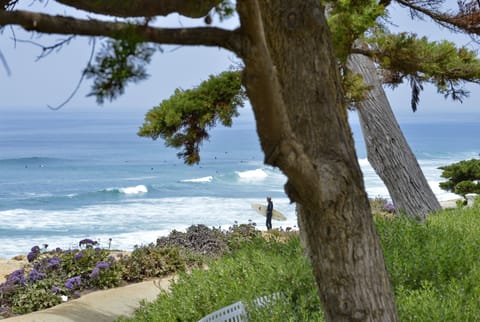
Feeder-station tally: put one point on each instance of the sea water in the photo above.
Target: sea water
(70, 175)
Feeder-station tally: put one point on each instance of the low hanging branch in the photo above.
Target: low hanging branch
(48, 24)
(144, 8)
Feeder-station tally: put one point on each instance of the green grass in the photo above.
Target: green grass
(434, 268)
(259, 267)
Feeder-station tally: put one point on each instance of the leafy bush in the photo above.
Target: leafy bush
(153, 261)
(439, 250)
(259, 267)
(199, 239)
(434, 266)
(34, 297)
(463, 177)
(53, 276)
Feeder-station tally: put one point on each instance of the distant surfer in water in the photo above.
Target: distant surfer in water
(269, 213)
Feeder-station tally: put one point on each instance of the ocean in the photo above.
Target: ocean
(75, 174)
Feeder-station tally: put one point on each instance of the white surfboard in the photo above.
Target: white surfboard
(262, 210)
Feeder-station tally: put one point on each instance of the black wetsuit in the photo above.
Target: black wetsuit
(269, 214)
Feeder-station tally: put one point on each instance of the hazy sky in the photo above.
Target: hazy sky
(49, 81)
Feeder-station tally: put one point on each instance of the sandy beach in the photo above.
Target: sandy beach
(9, 265)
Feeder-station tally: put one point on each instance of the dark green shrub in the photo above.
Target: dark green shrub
(239, 234)
(34, 297)
(465, 187)
(462, 177)
(154, 261)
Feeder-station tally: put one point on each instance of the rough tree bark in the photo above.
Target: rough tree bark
(387, 149)
(292, 81)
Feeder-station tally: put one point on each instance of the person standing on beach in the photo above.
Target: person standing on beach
(269, 213)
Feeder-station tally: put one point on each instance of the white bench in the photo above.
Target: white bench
(236, 311)
(232, 313)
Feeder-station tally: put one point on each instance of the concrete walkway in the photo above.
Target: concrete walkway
(99, 306)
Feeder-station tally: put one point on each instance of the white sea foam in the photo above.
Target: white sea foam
(203, 179)
(134, 190)
(126, 221)
(252, 175)
(129, 223)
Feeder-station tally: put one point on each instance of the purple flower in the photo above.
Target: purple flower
(78, 256)
(389, 207)
(34, 252)
(69, 285)
(58, 250)
(99, 266)
(17, 277)
(53, 262)
(35, 275)
(102, 265)
(87, 242)
(56, 289)
(76, 294)
(95, 272)
(32, 256)
(73, 282)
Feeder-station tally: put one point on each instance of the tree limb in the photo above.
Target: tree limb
(144, 8)
(467, 19)
(48, 24)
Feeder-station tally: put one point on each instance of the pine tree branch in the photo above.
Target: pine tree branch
(48, 24)
(408, 54)
(467, 19)
(144, 8)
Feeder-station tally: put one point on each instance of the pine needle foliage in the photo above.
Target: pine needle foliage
(119, 62)
(463, 177)
(349, 20)
(183, 120)
(406, 56)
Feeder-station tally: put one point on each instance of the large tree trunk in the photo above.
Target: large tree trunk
(293, 84)
(387, 150)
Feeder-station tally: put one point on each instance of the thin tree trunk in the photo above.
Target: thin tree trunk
(387, 150)
(293, 84)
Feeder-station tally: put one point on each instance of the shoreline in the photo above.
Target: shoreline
(8, 265)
